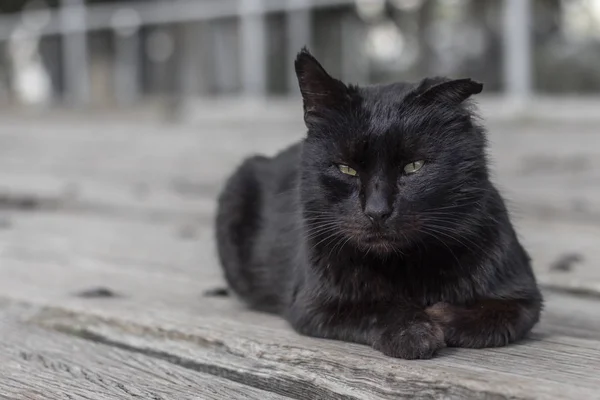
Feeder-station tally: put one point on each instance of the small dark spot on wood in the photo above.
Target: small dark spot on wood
(216, 292)
(28, 204)
(97, 293)
(566, 262)
(19, 203)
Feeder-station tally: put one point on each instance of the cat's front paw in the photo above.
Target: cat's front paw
(418, 340)
(485, 324)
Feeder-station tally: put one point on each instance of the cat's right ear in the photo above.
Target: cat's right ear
(320, 92)
(448, 91)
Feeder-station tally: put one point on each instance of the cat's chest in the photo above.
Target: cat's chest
(403, 282)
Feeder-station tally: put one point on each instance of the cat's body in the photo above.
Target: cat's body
(404, 261)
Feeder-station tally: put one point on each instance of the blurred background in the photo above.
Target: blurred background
(111, 53)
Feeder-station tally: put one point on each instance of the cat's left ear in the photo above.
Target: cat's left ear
(320, 91)
(448, 91)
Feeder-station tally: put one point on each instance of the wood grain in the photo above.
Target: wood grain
(37, 364)
(163, 317)
(546, 367)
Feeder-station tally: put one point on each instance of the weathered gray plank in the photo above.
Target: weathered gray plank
(167, 317)
(550, 169)
(133, 170)
(41, 277)
(567, 315)
(37, 364)
(546, 367)
(137, 167)
(42, 282)
(173, 245)
(186, 247)
(549, 242)
(133, 199)
(153, 264)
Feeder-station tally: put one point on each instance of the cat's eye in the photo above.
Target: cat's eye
(344, 169)
(413, 166)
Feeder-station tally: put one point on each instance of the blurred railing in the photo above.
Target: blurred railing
(74, 20)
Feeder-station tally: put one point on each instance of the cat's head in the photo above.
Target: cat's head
(388, 166)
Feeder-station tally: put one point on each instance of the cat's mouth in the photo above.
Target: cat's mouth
(379, 240)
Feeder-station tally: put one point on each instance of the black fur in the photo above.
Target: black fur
(440, 263)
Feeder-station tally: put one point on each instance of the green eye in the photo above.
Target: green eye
(344, 169)
(413, 166)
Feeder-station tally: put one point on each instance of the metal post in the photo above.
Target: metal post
(127, 68)
(127, 56)
(517, 49)
(253, 31)
(190, 56)
(205, 59)
(299, 34)
(224, 38)
(355, 63)
(74, 52)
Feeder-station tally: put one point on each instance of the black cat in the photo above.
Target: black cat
(381, 227)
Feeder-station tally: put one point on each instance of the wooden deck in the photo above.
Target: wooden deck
(107, 256)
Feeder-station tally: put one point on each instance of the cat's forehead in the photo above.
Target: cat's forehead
(386, 126)
(384, 107)
(384, 111)
(384, 96)
(389, 110)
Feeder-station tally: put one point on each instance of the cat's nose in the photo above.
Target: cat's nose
(378, 206)
(378, 212)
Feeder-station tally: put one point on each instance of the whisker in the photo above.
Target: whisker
(444, 243)
(443, 231)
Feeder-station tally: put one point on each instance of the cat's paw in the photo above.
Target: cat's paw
(419, 340)
(489, 324)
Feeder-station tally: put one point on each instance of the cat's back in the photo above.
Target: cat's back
(255, 203)
(282, 170)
